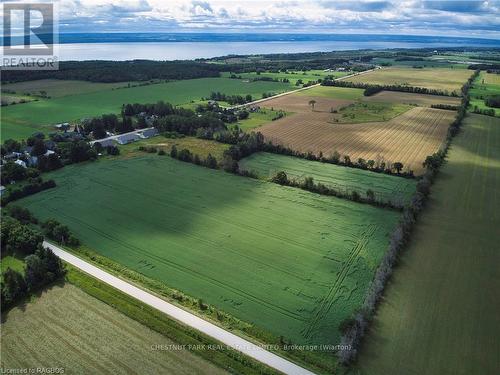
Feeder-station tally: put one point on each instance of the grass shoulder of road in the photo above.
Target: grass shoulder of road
(386, 187)
(360, 112)
(317, 363)
(225, 358)
(440, 312)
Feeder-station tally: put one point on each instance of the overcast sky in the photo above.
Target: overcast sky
(466, 18)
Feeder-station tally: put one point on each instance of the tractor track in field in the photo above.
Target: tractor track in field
(327, 302)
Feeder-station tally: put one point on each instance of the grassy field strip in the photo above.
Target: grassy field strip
(66, 328)
(440, 311)
(183, 316)
(396, 189)
(200, 221)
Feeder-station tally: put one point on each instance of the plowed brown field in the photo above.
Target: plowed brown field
(299, 103)
(408, 138)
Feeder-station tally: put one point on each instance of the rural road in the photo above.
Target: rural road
(301, 89)
(225, 337)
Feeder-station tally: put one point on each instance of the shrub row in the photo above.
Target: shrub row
(308, 184)
(28, 189)
(373, 89)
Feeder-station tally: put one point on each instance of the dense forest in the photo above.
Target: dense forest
(117, 71)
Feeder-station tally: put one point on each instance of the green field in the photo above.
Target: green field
(67, 328)
(11, 262)
(201, 147)
(56, 88)
(259, 118)
(487, 84)
(440, 311)
(386, 187)
(292, 76)
(291, 262)
(20, 121)
(367, 112)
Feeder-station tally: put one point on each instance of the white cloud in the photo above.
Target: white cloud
(411, 16)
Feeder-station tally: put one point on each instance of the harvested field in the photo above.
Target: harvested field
(411, 98)
(66, 328)
(445, 79)
(408, 138)
(299, 103)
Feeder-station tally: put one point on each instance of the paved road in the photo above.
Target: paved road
(183, 316)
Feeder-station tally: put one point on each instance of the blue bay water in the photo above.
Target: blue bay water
(123, 46)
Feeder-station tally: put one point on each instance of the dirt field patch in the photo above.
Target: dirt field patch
(408, 138)
(300, 104)
(410, 98)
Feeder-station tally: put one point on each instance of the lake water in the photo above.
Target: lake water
(193, 46)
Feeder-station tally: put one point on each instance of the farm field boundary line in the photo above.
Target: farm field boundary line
(298, 90)
(230, 339)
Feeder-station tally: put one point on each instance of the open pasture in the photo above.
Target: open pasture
(386, 187)
(439, 315)
(66, 328)
(240, 244)
(486, 85)
(408, 138)
(445, 79)
(411, 98)
(56, 88)
(20, 121)
(201, 147)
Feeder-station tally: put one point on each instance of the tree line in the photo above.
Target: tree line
(117, 71)
(41, 266)
(308, 184)
(354, 328)
(373, 89)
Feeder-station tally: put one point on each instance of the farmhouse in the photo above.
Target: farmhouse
(105, 142)
(127, 138)
(148, 133)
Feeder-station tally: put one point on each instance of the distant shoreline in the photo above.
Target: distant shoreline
(77, 38)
